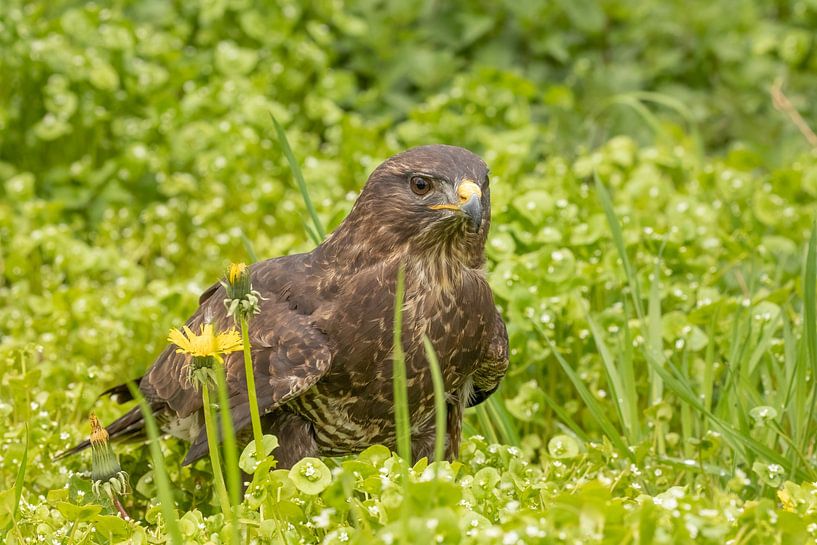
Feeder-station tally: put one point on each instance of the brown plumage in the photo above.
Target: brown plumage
(322, 342)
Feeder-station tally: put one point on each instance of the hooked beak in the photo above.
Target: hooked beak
(469, 195)
(473, 209)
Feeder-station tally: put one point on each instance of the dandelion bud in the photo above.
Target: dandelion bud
(99, 435)
(104, 464)
(241, 300)
(238, 281)
(106, 473)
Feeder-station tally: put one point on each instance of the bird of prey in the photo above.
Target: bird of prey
(322, 342)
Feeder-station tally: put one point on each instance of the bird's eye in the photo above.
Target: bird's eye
(420, 185)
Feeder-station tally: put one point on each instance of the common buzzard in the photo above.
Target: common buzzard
(322, 342)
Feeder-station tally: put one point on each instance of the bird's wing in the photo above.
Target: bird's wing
(493, 366)
(289, 357)
(289, 353)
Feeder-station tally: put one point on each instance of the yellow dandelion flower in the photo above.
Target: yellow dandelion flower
(236, 271)
(206, 343)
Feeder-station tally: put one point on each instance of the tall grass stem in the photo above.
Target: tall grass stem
(440, 407)
(319, 232)
(166, 503)
(402, 421)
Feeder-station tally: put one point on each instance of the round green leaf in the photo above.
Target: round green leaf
(80, 513)
(248, 461)
(563, 446)
(111, 525)
(762, 414)
(310, 475)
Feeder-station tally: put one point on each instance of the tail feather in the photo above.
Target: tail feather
(121, 393)
(130, 426)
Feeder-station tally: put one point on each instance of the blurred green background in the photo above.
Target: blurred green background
(136, 143)
(138, 157)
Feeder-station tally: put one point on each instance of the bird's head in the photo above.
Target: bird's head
(430, 198)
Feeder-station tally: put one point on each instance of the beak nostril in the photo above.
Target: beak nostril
(468, 189)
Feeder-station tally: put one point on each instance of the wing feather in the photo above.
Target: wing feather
(289, 357)
(289, 353)
(493, 366)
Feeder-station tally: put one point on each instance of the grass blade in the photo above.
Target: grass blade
(440, 408)
(566, 418)
(402, 423)
(592, 404)
(614, 380)
(486, 426)
(159, 472)
(310, 232)
(248, 247)
(709, 368)
(740, 442)
(503, 421)
(655, 340)
(18, 483)
(618, 240)
(796, 393)
(654, 348)
(401, 410)
(468, 429)
(228, 440)
(626, 369)
(299, 177)
(810, 316)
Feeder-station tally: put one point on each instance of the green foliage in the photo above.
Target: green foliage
(650, 252)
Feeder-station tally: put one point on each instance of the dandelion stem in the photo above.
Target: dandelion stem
(215, 459)
(255, 416)
(119, 507)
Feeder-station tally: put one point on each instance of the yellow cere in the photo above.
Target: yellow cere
(468, 189)
(465, 191)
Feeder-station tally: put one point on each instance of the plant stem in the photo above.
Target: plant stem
(159, 472)
(230, 452)
(215, 459)
(255, 416)
(119, 507)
